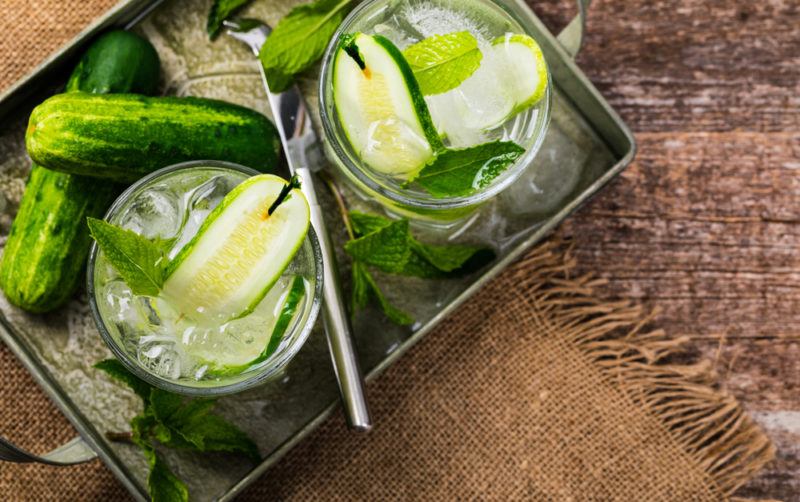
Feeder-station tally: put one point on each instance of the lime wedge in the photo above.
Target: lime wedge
(381, 108)
(526, 77)
(239, 252)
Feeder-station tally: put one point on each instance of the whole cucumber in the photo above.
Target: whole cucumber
(118, 61)
(122, 137)
(47, 247)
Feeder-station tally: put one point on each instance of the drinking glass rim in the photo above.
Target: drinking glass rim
(169, 385)
(335, 139)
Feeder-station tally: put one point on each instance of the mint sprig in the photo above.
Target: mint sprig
(459, 172)
(389, 246)
(139, 261)
(174, 422)
(220, 11)
(299, 40)
(442, 62)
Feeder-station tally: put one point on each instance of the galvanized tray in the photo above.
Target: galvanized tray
(587, 145)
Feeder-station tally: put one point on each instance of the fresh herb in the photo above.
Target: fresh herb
(416, 258)
(442, 62)
(454, 173)
(389, 246)
(299, 40)
(220, 11)
(175, 422)
(138, 260)
(364, 286)
(386, 248)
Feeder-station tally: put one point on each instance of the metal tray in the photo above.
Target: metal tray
(587, 145)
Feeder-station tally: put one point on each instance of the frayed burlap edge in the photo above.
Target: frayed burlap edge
(709, 424)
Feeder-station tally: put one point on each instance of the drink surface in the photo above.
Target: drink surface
(151, 330)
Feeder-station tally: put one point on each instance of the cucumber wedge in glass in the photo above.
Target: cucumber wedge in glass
(381, 107)
(239, 252)
(231, 355)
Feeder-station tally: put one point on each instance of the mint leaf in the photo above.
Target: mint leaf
(220, 11)
(426, 261)
(364, 223)
(442, 62)
(387, 248)
(446, 258)
(300, 38)
(456, 173)
(117, 371)
(192, 425)
(162, 484)
(139, 261)
(363, 285)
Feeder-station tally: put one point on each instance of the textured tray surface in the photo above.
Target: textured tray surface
(66, 343)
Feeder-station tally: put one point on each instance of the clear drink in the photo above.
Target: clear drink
(480, 110)
(171, 349)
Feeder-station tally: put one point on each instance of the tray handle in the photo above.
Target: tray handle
(75, 451)
(571, 37)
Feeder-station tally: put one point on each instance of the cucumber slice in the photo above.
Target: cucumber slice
(381, 108)
(239, 251)
(512, 77)
(233, 355)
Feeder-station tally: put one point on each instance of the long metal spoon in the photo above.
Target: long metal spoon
(302, 154)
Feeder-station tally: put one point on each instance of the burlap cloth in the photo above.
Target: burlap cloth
(535, 389)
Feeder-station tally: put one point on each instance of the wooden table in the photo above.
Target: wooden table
(706, 223)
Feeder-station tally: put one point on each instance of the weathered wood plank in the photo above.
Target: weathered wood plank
(686, 65)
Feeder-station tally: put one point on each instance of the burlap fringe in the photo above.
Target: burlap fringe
(708, 422)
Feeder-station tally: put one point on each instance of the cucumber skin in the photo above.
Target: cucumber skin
(49, 241)
(423, 114)
(118, 61)
(46, 250)
(122, 137)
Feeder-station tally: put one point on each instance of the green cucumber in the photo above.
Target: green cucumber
(232, 357)
(239, 252)
(122, 137)
(47, 247)
(381, 108)
(119, 61)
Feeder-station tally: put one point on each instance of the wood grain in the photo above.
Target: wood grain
(705, 224)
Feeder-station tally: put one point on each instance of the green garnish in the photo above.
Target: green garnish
(442, 62)
(220, 11)
(364, 286)
(389, 246)
(299, 40)
(139, 261)
(455, 173)
(175, 422)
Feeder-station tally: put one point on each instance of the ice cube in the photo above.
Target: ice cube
(155, 212)
(120, 300)
(200, 202)
(425, 19)
(481, 103)
(393, 32)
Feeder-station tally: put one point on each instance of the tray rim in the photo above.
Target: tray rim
(127, 13)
